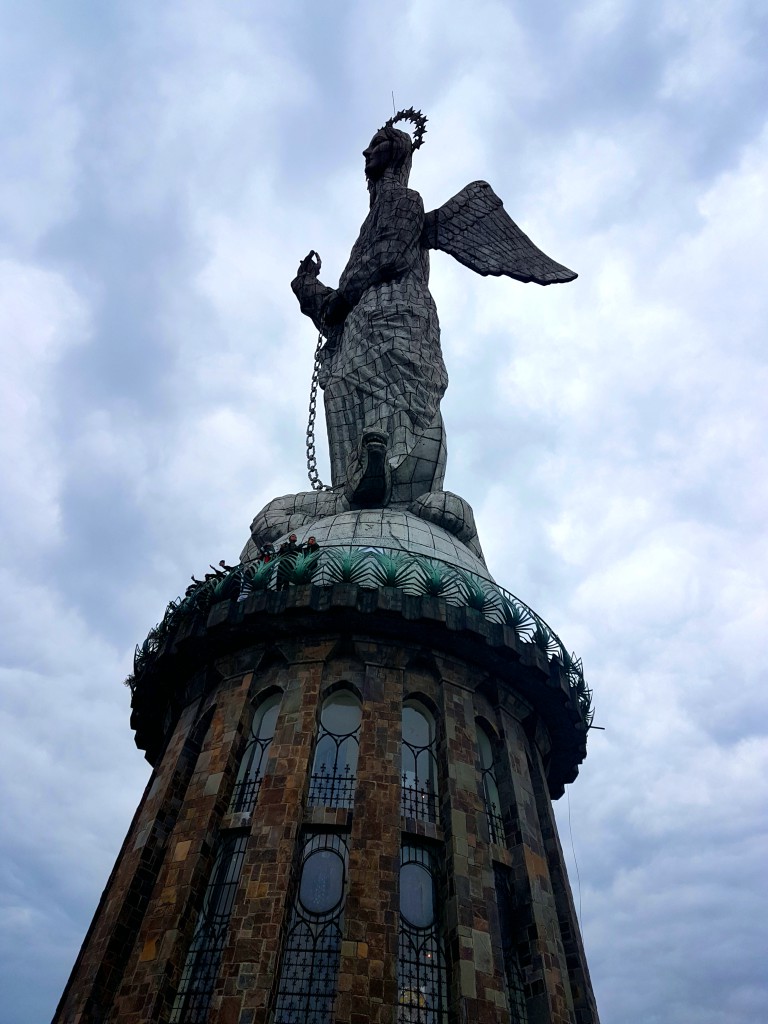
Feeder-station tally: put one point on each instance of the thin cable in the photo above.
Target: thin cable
(573, 851)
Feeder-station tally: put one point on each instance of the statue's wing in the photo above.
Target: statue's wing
(476, 230)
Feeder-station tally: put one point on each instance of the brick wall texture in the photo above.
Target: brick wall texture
(130, 967)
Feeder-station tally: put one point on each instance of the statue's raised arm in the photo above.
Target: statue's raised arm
(379, 361)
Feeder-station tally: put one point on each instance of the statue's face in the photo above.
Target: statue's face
(378, 156)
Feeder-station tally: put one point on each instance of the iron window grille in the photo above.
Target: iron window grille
(418, 792)
(334, 771)
(491, 797)
(254, 760)
(513, 972)
(201, 967)
(417, 801)
(308, 974)
(332, 786)
(421, 965)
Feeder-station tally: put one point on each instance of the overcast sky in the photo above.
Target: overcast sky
(165, 167)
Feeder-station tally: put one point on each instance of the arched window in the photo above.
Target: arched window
(332, 783)
(201, 967)
(490, 787)
(254, 759)
(421, 971)
(418, 796)
(308, 973)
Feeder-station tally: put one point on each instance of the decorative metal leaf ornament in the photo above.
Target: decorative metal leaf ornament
(393, 570)
(517, 617)
(226, 586)
(347, 566)
(258, 577)
(541, 637)
(434, 578)
(474, 593)
(301, 567)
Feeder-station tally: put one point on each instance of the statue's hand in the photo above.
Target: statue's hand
(310, 265)
(336, 309)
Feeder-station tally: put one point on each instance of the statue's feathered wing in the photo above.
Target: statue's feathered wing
(476, 230)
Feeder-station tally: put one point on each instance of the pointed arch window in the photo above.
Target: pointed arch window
(310, 966)
(418, 795)
(421, 967)
(254, 760)
(334, 771)
(201, 967)
(491, 797)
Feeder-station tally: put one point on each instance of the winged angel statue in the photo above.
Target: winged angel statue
(379, 360)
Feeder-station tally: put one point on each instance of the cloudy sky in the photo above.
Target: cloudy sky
(165, 167)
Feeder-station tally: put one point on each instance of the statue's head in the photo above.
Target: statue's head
(390, 150)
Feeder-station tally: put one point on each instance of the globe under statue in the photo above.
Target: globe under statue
(379, 362)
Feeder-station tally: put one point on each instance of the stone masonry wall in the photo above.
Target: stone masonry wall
(132, 960)
(99, 969)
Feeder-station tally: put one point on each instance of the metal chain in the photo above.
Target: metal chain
(314, 477)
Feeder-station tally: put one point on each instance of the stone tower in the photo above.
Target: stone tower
(356, 733)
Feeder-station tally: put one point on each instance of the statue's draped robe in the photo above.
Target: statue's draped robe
(383, 369)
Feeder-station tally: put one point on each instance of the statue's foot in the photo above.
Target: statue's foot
(368, 480)
(454, 514)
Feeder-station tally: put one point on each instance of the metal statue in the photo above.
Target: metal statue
(381, 366)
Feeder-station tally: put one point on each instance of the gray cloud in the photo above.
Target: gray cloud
(167, 169)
